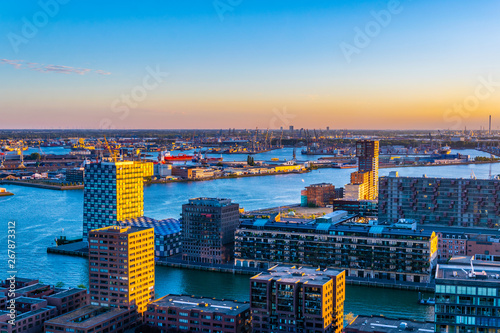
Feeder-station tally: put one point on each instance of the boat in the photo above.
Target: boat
(204, 159)
(444, 150)
(167, 157)
(426, 301)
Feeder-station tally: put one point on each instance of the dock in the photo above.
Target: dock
(80, 249)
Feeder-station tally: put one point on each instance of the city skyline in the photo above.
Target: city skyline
(219, 64)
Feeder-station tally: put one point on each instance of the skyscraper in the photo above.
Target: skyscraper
(208, 226)
(367, 152)
(113, 192)
(121, 267)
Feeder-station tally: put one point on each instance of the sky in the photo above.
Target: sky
(410, 64)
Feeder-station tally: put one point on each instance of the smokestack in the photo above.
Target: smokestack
(489, 130)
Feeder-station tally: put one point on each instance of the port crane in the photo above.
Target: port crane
(112, 152)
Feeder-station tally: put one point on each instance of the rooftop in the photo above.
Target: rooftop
(162, 227)
(341, 223)
(215, 202)
(118, 230)
(461, 269)
(294, 274)
(31, 288)
(381, 324)
(186, 302)
(30, 300)
(87, 316)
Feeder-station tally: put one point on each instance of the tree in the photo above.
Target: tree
(250, 160)
(82, 286)
(59, 284)
(34, 156)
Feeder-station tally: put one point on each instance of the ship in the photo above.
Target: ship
(167, 157)
(204, 159)
(444, 150)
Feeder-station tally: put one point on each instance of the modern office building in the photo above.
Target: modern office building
(297, 299)
(398, 252)
(167, 234)
(208, 226)
(468, 296)
(183, 313)
(113, 192)
(121, 267)
(469, 203)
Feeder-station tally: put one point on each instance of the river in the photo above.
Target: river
(41, 215)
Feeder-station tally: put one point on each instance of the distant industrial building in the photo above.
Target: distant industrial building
(467, 296)
(398, 252)
(183, 313)
(208, 226)
(298, 299)
(113, 192)
(121, 267)
(469, 203)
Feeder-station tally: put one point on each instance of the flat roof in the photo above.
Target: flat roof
(344, 225)
(389, 325)
(32, 313)
(23, 299)
(119, 230)
(96, 314)
(67, 292)
(460, 270)
(210, 305)
(294, 274)
(31, 288)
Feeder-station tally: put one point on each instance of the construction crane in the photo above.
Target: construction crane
(113, 153)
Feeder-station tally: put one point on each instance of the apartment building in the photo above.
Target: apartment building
(183, 313)
(400, 251)
(297, 299)
(121, 267)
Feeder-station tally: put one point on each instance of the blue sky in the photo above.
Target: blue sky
(235, 68)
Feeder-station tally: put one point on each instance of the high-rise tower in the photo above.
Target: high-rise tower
(113, 192)
(121, 267)
(367, 152)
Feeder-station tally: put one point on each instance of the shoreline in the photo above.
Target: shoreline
(80, 187)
